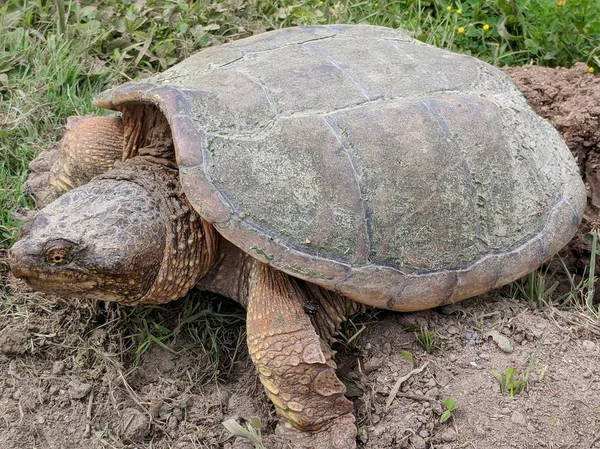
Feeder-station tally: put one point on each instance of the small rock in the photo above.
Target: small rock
(134, 424)
(375, 418)
(452, 330)
(480, 432)
(452, 358)
(505, 411)
(431, 383)
(386, 348)
(424, 434)
(518, 338)
(518, 419)
(58, 367)
(172, 423)
(448, 435)
(363, 436)
(436, 407)
(79, 390)
(433, 393)
(373, 364)
(588, 345)
(224, 397)
(531, 428)
(484, 356)
(417, 442)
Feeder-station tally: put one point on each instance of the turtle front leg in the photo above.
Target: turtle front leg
(91, 146)
(295, 365)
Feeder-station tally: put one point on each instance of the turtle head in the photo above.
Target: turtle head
(126, 236)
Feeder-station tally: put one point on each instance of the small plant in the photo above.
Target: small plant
(251, 432)
(428, 339)
(509, 381)
(451, 405)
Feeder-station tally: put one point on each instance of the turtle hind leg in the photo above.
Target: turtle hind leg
(295, 365)
(90, 146)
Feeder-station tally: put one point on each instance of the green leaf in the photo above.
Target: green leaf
(445, 416)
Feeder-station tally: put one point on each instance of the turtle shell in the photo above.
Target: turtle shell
(355, 157)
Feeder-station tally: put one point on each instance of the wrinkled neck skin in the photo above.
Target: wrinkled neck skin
(190, 244)
(230, 274)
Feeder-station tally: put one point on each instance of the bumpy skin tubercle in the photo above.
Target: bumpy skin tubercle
(295, 365)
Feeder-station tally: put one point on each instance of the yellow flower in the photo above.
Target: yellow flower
(459, 11)
(591, 70)
(449, 8)
(461, 30)
(486, 27)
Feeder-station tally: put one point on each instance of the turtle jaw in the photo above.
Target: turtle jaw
(26, 265)
(67, 281)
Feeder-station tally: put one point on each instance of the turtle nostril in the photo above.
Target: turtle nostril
(17, 260)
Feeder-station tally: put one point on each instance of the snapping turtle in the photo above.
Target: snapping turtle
(306, 172)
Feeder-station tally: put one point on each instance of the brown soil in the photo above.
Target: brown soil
(68, 377)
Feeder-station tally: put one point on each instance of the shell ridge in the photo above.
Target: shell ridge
(368, 234)
(346, 72)
(290, 44)
(465, 164)
(268, 93)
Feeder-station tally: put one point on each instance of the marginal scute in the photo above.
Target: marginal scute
(397, 174)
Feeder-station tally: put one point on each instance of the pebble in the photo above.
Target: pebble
(452, 330)
(448, 435)
(79, 390)
(386, 348)
(134, 424)
(424, 434)
(433, 393)
(58, 367)
(518, 418)
(375, 418)
(484, 356)
(452, 358)
(588, 345)
(417, 442)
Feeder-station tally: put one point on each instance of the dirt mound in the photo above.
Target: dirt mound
(570, 100)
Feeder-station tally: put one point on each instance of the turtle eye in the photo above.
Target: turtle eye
(58, 256)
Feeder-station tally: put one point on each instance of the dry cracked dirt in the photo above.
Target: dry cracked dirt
(73, 375)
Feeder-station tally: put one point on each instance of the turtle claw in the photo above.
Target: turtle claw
(339, 433)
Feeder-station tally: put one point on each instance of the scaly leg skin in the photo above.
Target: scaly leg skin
(91, 146)
(295, 366)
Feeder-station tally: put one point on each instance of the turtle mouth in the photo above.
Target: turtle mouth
(66, 281)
